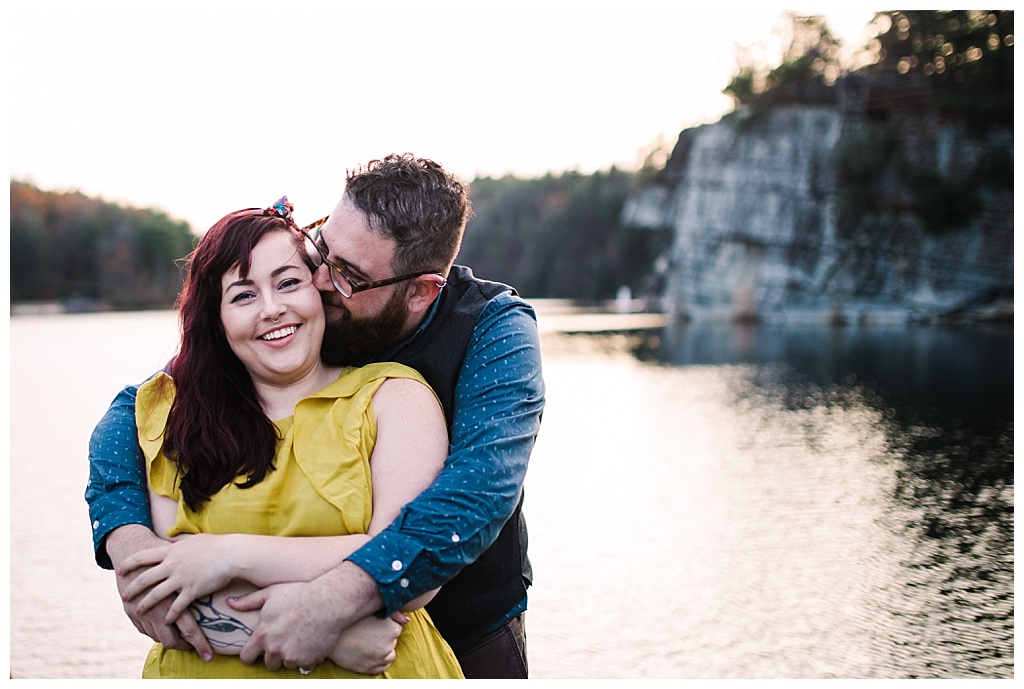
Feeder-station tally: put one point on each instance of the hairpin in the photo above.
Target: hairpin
(282, 209)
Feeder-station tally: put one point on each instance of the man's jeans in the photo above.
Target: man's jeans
(500, 654)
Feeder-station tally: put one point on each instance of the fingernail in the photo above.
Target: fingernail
(207, 657)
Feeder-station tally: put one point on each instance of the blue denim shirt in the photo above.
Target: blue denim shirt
(499, 398)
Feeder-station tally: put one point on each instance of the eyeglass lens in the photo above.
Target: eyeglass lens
(317, 254)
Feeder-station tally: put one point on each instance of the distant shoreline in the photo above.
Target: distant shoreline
(566, 316)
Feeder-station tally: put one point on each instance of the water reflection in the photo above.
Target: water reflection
(932, 409)
(927, 374)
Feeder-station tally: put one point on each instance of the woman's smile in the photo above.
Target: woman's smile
(279, 334)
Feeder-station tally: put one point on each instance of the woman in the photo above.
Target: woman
(265, 465)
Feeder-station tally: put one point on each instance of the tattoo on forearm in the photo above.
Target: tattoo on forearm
(220, 628)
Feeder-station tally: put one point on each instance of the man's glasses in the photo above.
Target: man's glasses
(316, 251)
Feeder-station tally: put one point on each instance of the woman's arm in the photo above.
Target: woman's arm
(193, 566)
(412, 442)
(368, 646)
(196, 565)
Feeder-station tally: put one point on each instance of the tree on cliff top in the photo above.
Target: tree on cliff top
(809, 67)
(963, 59)
(957, 61)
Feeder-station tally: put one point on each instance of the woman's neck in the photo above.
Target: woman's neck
(278, 399)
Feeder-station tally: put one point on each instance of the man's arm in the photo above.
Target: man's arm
(119, 512)
(116, 493)
(300, 622)
(498, 404)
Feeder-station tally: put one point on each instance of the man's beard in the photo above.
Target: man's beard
(349, 341)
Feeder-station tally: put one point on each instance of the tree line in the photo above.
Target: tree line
(554, 236)
(92, 254)
(560, 236)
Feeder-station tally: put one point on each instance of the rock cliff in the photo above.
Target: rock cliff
(816, 214)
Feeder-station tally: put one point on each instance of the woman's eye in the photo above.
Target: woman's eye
(242, 297)
(290, 283)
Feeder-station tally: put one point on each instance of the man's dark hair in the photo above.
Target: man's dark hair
(416, 202)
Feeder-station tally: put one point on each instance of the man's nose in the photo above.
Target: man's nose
(322, 278)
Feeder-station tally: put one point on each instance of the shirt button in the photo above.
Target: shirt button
(404, 583)
(455, 538)
(396, 565)
(96, 524)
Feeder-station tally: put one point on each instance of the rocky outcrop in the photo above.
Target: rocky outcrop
(815, 214)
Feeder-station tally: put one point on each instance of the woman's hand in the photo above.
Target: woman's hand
(368, 646)
(193, 567)
(185, 634)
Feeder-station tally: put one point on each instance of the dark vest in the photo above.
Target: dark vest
(486, 590)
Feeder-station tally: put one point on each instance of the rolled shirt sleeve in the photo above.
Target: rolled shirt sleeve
(116, 492)
(499, 399)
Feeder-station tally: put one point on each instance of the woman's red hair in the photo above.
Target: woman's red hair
(217, 431)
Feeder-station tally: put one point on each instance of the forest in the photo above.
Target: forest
(89, 254)
(562, 235)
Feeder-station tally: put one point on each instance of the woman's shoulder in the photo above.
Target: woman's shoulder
(152, 408)
(160, 385)
(153, 404)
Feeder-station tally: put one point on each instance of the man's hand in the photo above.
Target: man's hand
(183, 635)
(300, 623)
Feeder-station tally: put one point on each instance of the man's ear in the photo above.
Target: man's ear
(423, 291)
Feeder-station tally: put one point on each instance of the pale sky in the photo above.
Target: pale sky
(200, 108)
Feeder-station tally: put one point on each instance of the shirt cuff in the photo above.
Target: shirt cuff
(127, 506)
(388, 559)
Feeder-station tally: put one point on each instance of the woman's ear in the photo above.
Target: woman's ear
(423, 291)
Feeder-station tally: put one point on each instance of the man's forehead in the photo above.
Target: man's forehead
(348, 236)
(347, 223)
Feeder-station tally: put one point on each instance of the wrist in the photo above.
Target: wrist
(233, 551)
(125, 541)
(351, 586)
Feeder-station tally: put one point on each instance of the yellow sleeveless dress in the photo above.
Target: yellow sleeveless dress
(320, 487)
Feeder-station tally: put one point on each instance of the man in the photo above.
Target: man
(397, 228)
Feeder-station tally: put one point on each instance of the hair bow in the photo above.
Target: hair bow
(282, 209)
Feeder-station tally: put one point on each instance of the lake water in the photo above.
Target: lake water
(713, 502)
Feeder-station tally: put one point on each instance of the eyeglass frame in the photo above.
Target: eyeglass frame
(357, 285)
